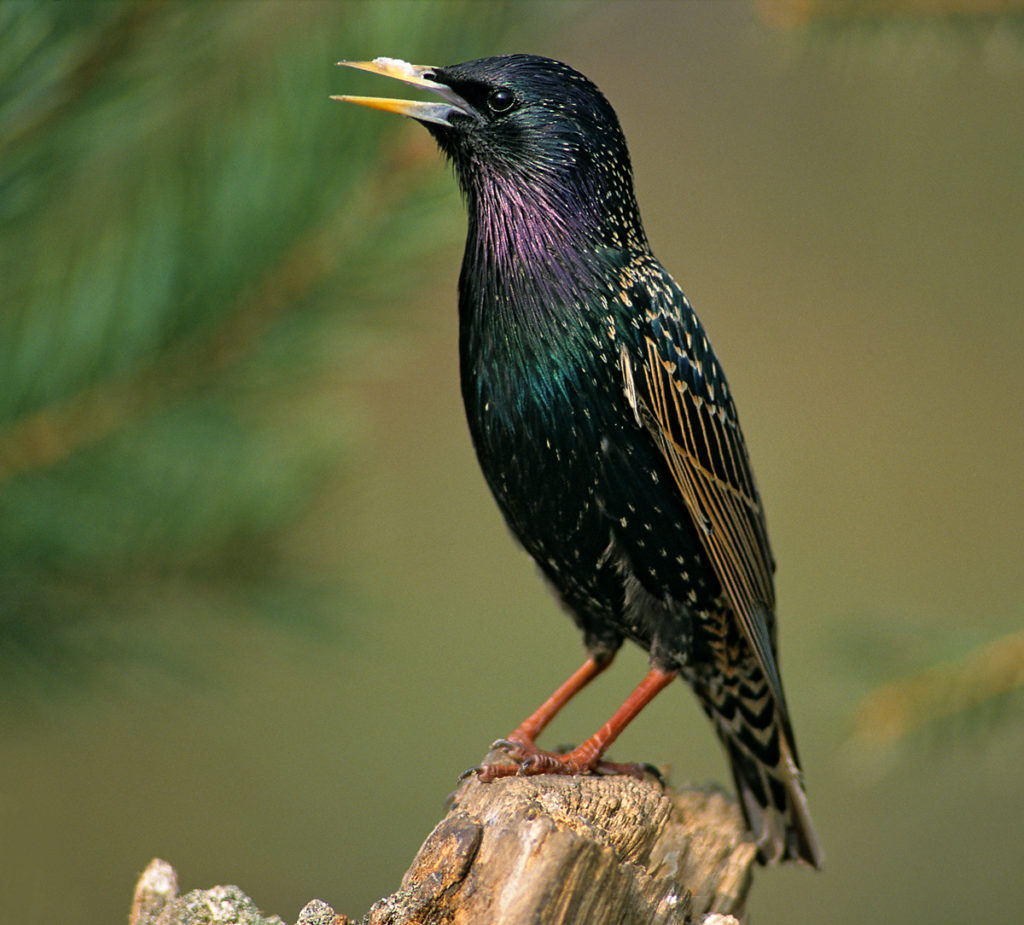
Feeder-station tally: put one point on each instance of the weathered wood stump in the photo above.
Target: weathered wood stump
(541, 849)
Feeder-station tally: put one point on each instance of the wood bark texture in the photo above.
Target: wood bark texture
(546, 849)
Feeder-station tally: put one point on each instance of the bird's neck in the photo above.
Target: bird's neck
(533, 281)
(527, 250)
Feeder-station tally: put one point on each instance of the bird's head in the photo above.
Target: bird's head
(526, 131)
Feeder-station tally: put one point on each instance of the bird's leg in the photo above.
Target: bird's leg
(585, 758)
(531, 727)
(520, 744)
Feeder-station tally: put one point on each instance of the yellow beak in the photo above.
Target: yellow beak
(416, 75)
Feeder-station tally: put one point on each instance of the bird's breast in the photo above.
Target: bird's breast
(583, 486)
(538, 406)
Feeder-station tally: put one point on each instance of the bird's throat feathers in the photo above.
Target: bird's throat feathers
(527, 301)
(516, 257)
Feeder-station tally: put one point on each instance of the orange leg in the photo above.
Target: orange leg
(533, 725)
(585, 758)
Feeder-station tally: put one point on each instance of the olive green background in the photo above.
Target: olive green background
(843, 202)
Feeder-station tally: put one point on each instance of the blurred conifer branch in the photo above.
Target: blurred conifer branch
(191, 236)
(43, 438)
(936, 697)
(798, 12)
(924, 36)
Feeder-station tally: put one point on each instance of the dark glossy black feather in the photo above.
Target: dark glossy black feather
(602, 419)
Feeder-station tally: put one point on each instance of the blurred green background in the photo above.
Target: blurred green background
(257, 610)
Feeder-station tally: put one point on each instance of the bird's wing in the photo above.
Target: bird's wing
(679, 394)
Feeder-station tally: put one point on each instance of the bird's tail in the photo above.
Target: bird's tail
(758, 739)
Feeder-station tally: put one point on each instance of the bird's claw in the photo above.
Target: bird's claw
(654, 772)
(529, 760)
(529, 765)
(506, 745)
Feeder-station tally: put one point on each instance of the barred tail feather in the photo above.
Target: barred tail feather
(775, 805)
(759, 742)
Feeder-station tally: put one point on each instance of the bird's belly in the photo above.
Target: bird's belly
(548, 493)
(600, 517)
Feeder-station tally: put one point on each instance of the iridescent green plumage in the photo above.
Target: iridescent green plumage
(604, 424)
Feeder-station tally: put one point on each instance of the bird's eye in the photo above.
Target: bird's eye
(501, 101)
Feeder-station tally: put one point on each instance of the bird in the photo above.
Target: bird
(605, 427)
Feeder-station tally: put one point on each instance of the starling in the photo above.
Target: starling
(604, 425)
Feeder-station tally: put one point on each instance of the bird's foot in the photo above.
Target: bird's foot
(527, 760)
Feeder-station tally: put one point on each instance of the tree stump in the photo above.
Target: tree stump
(545, 849)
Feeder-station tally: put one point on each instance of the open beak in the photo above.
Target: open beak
(416, 75)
